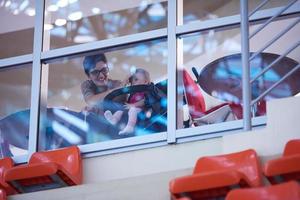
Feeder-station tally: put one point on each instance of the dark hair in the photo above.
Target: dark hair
(90, 62)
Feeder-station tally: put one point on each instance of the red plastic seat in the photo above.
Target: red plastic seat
(197, 108)
(6, 164)
(214, 176)
(283, 191)
(2, 195)
(47, 170)
(287, 167)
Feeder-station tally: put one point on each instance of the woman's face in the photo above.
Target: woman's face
(99, 74)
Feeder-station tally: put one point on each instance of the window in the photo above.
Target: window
(16, 38)
(15, 90)
(74, 22)
(72, 81)
(206, 82)
(202, 10)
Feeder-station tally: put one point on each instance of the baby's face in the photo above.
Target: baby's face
(139, 79)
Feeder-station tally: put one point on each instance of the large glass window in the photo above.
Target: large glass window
(210, 72)
(287, 47)
(15, 90)
(88, 100)
(194, 10)
(74, 22)
(205, 86)
(17, 25)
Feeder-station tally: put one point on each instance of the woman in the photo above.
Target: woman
(98, 84)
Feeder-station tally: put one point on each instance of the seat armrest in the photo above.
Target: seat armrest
(30, 171)
(205, 181)
(283, 165)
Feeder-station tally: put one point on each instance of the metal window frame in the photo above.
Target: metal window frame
(172, 32)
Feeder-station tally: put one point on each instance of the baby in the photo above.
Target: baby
(134, 104)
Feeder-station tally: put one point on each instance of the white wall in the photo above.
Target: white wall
(282, 124)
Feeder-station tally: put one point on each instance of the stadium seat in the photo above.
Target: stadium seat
(283, 191)
(197, 106)
(2, 195)
(215, 176)
(47, 170)
(286, 167)
(6, 164)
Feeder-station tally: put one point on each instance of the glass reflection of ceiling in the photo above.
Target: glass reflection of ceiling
(82, 26)
(232, 68)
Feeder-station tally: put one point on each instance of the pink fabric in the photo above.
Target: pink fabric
(136, 97)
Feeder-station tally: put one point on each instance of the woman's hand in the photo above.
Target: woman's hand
(88, 109)
(126, 81)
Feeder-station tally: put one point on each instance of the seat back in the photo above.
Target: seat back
(193, 95)
(289, 191)
(2, 195)
(292, 148)
(245, 162)
(218, 114)
(68, 157)
(5, 164)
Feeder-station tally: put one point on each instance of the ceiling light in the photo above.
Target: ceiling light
(96, 11)
(84, 38)
(7, 4)
(23, 5)
(30, 12)
(62, 3)
(72, 1)
(60, 22)
(48, 27)
(52, 8)
(156, 10)
(75, 16)
(16, 12)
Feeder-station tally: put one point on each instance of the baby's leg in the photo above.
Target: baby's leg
(132, 118)
(113, 118)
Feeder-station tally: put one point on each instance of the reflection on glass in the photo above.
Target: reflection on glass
(73, 22)
(204, 10)
(17, 22)
(198, 51)
(15, 89)
(212, 73)
(105, 96)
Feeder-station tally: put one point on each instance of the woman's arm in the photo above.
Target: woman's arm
(90, 96)
(94, 99)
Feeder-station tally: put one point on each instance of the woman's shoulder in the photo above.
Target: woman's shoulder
(87, 83)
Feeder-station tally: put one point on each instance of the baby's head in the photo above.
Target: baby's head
(140, 77)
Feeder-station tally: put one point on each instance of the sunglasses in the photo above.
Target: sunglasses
(96, 72)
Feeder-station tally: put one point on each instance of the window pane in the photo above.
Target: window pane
(289, 87)
(76, 110)
(204, 10)
(73, 22)
(215, 55)
(15, 90)
(17, 25)
(202, 101)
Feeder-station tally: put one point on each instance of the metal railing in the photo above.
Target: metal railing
(246, 36)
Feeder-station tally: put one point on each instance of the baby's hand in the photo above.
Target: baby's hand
(128, 106)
